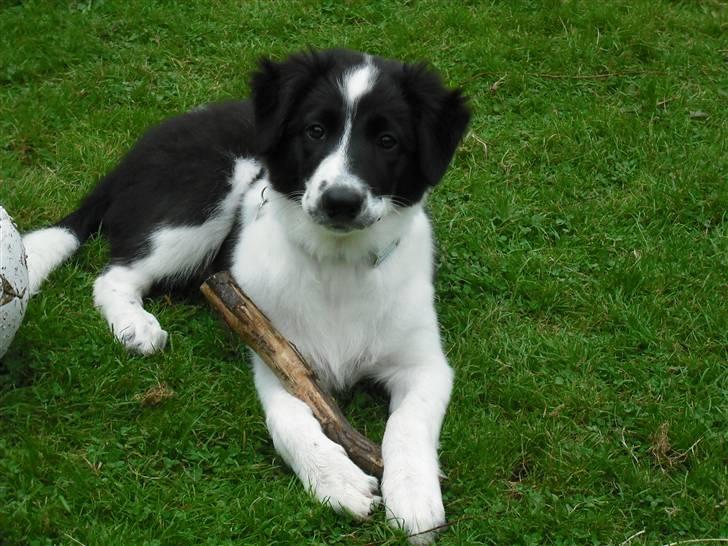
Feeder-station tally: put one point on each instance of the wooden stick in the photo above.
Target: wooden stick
(298, 378)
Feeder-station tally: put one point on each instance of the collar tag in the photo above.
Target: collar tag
(263, 201)
(377, 259)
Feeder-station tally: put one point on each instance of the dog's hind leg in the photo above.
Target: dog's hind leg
(118, 295)
(172, 255)
(176, 254)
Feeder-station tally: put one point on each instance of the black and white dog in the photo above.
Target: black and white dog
(312, 195)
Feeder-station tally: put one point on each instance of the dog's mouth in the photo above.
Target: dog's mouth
(342, 228)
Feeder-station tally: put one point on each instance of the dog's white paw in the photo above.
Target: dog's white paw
(139, 332)
(414, 505)
(339, 482)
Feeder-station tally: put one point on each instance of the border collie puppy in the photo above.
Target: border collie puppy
(312, 195)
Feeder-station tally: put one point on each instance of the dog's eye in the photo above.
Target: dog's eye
(387, 142)
(315, 131)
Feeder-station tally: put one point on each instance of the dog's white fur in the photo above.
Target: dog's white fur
(384, 326)
(45, 250)
(313, 283)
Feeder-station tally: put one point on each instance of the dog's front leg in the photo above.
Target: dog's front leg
(420, 389)
(322, 465)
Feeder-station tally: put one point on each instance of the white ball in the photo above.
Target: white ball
(14, 291)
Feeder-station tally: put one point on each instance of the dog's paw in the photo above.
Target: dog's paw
(414, 505)
(344, 486)
(140, 332)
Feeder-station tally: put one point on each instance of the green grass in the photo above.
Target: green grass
(582, 282)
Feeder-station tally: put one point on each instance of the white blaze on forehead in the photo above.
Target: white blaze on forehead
(355, 83)
(358, 82)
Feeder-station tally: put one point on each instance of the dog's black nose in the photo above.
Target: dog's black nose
(341, 204)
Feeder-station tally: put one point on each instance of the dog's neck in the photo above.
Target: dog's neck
(370, 247)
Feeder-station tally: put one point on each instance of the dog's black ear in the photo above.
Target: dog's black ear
(267, 104)
(276, 88)
(441, 117)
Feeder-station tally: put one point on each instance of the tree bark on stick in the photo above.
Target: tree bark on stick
(296, 375)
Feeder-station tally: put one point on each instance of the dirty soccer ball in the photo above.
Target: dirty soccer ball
(14, 291)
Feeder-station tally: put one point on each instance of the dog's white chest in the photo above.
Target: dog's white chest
(336, 315)
(346, 314)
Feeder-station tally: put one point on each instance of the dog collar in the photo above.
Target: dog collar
(376, 259)
(263, 202)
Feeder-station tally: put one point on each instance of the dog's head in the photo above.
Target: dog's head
(354, 137)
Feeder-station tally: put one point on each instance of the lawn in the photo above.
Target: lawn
(582, 281)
